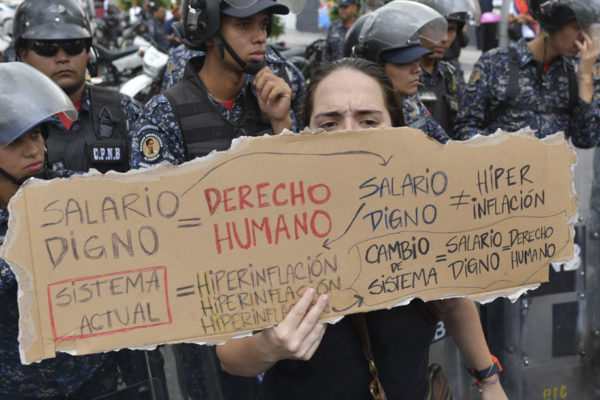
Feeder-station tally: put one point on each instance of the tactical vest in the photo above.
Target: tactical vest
(98, 140)
(203, 126)
(442, 99)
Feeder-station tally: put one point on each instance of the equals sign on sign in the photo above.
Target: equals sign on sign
(189, 222)
(185, 291)
(441, 258)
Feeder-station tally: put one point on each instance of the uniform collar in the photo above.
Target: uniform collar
(525, 54)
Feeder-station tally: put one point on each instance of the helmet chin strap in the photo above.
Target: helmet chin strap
(20, 181)
(251, 68)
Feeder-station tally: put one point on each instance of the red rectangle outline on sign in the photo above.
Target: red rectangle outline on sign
(71, 337)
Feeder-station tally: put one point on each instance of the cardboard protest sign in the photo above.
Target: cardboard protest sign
(226, 244)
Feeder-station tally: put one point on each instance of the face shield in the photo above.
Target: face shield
(403, 24)
(467, 11)
(461, 11)
(27, 99)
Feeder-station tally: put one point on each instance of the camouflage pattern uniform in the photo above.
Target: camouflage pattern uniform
(488, 88)
(178, 58)
(417, 116)
(158, 120)
(64, 377)
(596, 78)
(334, 44)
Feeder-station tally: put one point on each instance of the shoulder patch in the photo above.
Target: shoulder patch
(150, 146)
(475, 75)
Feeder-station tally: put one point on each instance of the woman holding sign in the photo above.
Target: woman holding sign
(303, 358)
(28, 102)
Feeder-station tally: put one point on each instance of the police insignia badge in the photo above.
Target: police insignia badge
(150, 147)
(596, 71)
(475, 75)
(411, 107)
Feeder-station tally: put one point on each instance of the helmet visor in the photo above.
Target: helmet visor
(457, 10)
(28, 98)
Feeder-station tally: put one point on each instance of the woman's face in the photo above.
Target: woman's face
(25, 156)
(348, 99)
(404, 77)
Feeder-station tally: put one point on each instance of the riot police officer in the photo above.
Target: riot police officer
(28, 102)
(225, 94)
(443, 83)
(54, 36)
(391, 36)
(538, 84)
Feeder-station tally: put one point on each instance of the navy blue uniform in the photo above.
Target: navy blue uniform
(334, 44)
(488, 88)
(417, 116)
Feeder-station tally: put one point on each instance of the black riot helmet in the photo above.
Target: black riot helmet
(351, 39)
(23, 87)
(554, 14)
(201, 19)
(50, 20)
(459, 11)
(393, 33)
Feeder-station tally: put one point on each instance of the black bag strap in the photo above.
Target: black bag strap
(359, 323)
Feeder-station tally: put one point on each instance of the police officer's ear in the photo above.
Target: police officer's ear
(210, 42)
(92, 64)
(21, 53)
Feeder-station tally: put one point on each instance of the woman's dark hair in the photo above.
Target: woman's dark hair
(368, 68)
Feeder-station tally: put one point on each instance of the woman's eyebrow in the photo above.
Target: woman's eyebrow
(335, 113)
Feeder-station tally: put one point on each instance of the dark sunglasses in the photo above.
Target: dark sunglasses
(50, 48)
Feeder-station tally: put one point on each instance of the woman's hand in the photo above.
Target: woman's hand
(296, 337)
(300, 332)
(493, 391)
